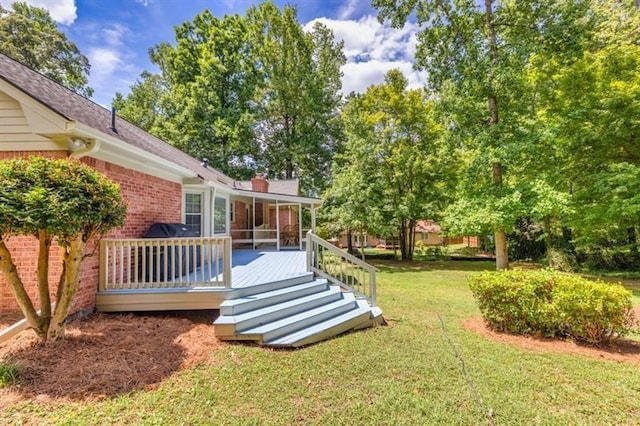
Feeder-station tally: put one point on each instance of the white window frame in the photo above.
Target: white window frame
(202, 209)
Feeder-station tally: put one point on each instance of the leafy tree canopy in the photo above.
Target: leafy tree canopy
(396, 167)
(63, 200)
(250, 93)
(30, 36)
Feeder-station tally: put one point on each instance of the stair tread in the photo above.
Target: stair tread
(238, 318)
(273, 293)
(320, 327)
(283, 322)
(296, 279)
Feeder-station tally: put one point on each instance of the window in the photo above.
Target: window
(232, 211)
(193, 212)
(219, 215)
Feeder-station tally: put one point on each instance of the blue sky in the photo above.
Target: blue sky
(117, 34)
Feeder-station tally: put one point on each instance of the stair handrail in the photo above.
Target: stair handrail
(316, 248)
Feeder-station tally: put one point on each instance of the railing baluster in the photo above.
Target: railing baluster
(171, 263)
(341, 268)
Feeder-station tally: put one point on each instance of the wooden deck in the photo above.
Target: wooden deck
(248, 268)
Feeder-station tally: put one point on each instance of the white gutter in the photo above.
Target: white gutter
(127, 150)
(280, 197)
(91, 147)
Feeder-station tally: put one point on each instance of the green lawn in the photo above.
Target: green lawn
(405, 373)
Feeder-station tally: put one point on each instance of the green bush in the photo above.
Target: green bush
(8, 374)
(553, 304)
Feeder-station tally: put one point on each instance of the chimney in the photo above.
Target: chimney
(259, 184)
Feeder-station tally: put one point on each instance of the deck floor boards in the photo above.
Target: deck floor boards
(251, 268)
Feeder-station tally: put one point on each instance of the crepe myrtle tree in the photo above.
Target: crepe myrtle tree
(59, 200)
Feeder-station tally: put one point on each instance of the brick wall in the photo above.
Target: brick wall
(149, 199)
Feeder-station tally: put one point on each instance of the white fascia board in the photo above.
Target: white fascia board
(129, 155)
(316, 202)
(221, 189)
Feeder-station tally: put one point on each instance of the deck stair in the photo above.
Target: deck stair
(293, 312)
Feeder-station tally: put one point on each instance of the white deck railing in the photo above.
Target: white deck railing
(341, 268)
(148, 263)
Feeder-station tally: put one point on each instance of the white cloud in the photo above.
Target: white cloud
(104, 62)
(145, 3)
(62, 11)
(346, 10)
(360, 75)
(114, 34)
(372, 49)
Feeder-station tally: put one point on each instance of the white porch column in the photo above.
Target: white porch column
(313, 219)
(300, 225)
(253, 224)
(277, 226)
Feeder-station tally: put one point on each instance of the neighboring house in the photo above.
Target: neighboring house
(426, 231)
(158, 182)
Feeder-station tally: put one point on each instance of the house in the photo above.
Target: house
(429, 233)
(162, 184)
(426, 231)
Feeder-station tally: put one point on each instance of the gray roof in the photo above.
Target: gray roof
(75, 107)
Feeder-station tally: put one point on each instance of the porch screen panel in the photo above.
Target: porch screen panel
(220, 215)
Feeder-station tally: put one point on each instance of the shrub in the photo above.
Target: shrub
(553, 304)
(8, 374)
(514, 301)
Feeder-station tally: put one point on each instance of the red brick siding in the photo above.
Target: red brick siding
(149, 199)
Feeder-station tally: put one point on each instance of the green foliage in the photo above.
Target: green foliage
(30, 36)
(560, 260)
(396, 168)
(298, 95)
(8, 374)
(475, 55)
(63, 197)
(250, 93)
(602, 258)
(554, 305)
(201, 100)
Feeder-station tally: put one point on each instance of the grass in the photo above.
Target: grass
(8, 374)
(404, 374)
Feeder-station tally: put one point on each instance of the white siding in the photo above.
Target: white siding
(13, 124)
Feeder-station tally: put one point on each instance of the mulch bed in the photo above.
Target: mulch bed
(107, 354)
(622, 350)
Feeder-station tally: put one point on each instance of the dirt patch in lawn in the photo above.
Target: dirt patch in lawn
(624, 350)
(106, 354)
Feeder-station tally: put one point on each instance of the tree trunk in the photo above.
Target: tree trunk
(502, 257)
(349, 241)
(44, 243)
(10, 273)
(288, 169)
(406, 239)
(72, 259)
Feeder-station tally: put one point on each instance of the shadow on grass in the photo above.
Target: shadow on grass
(107, 355)
(396, 266)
